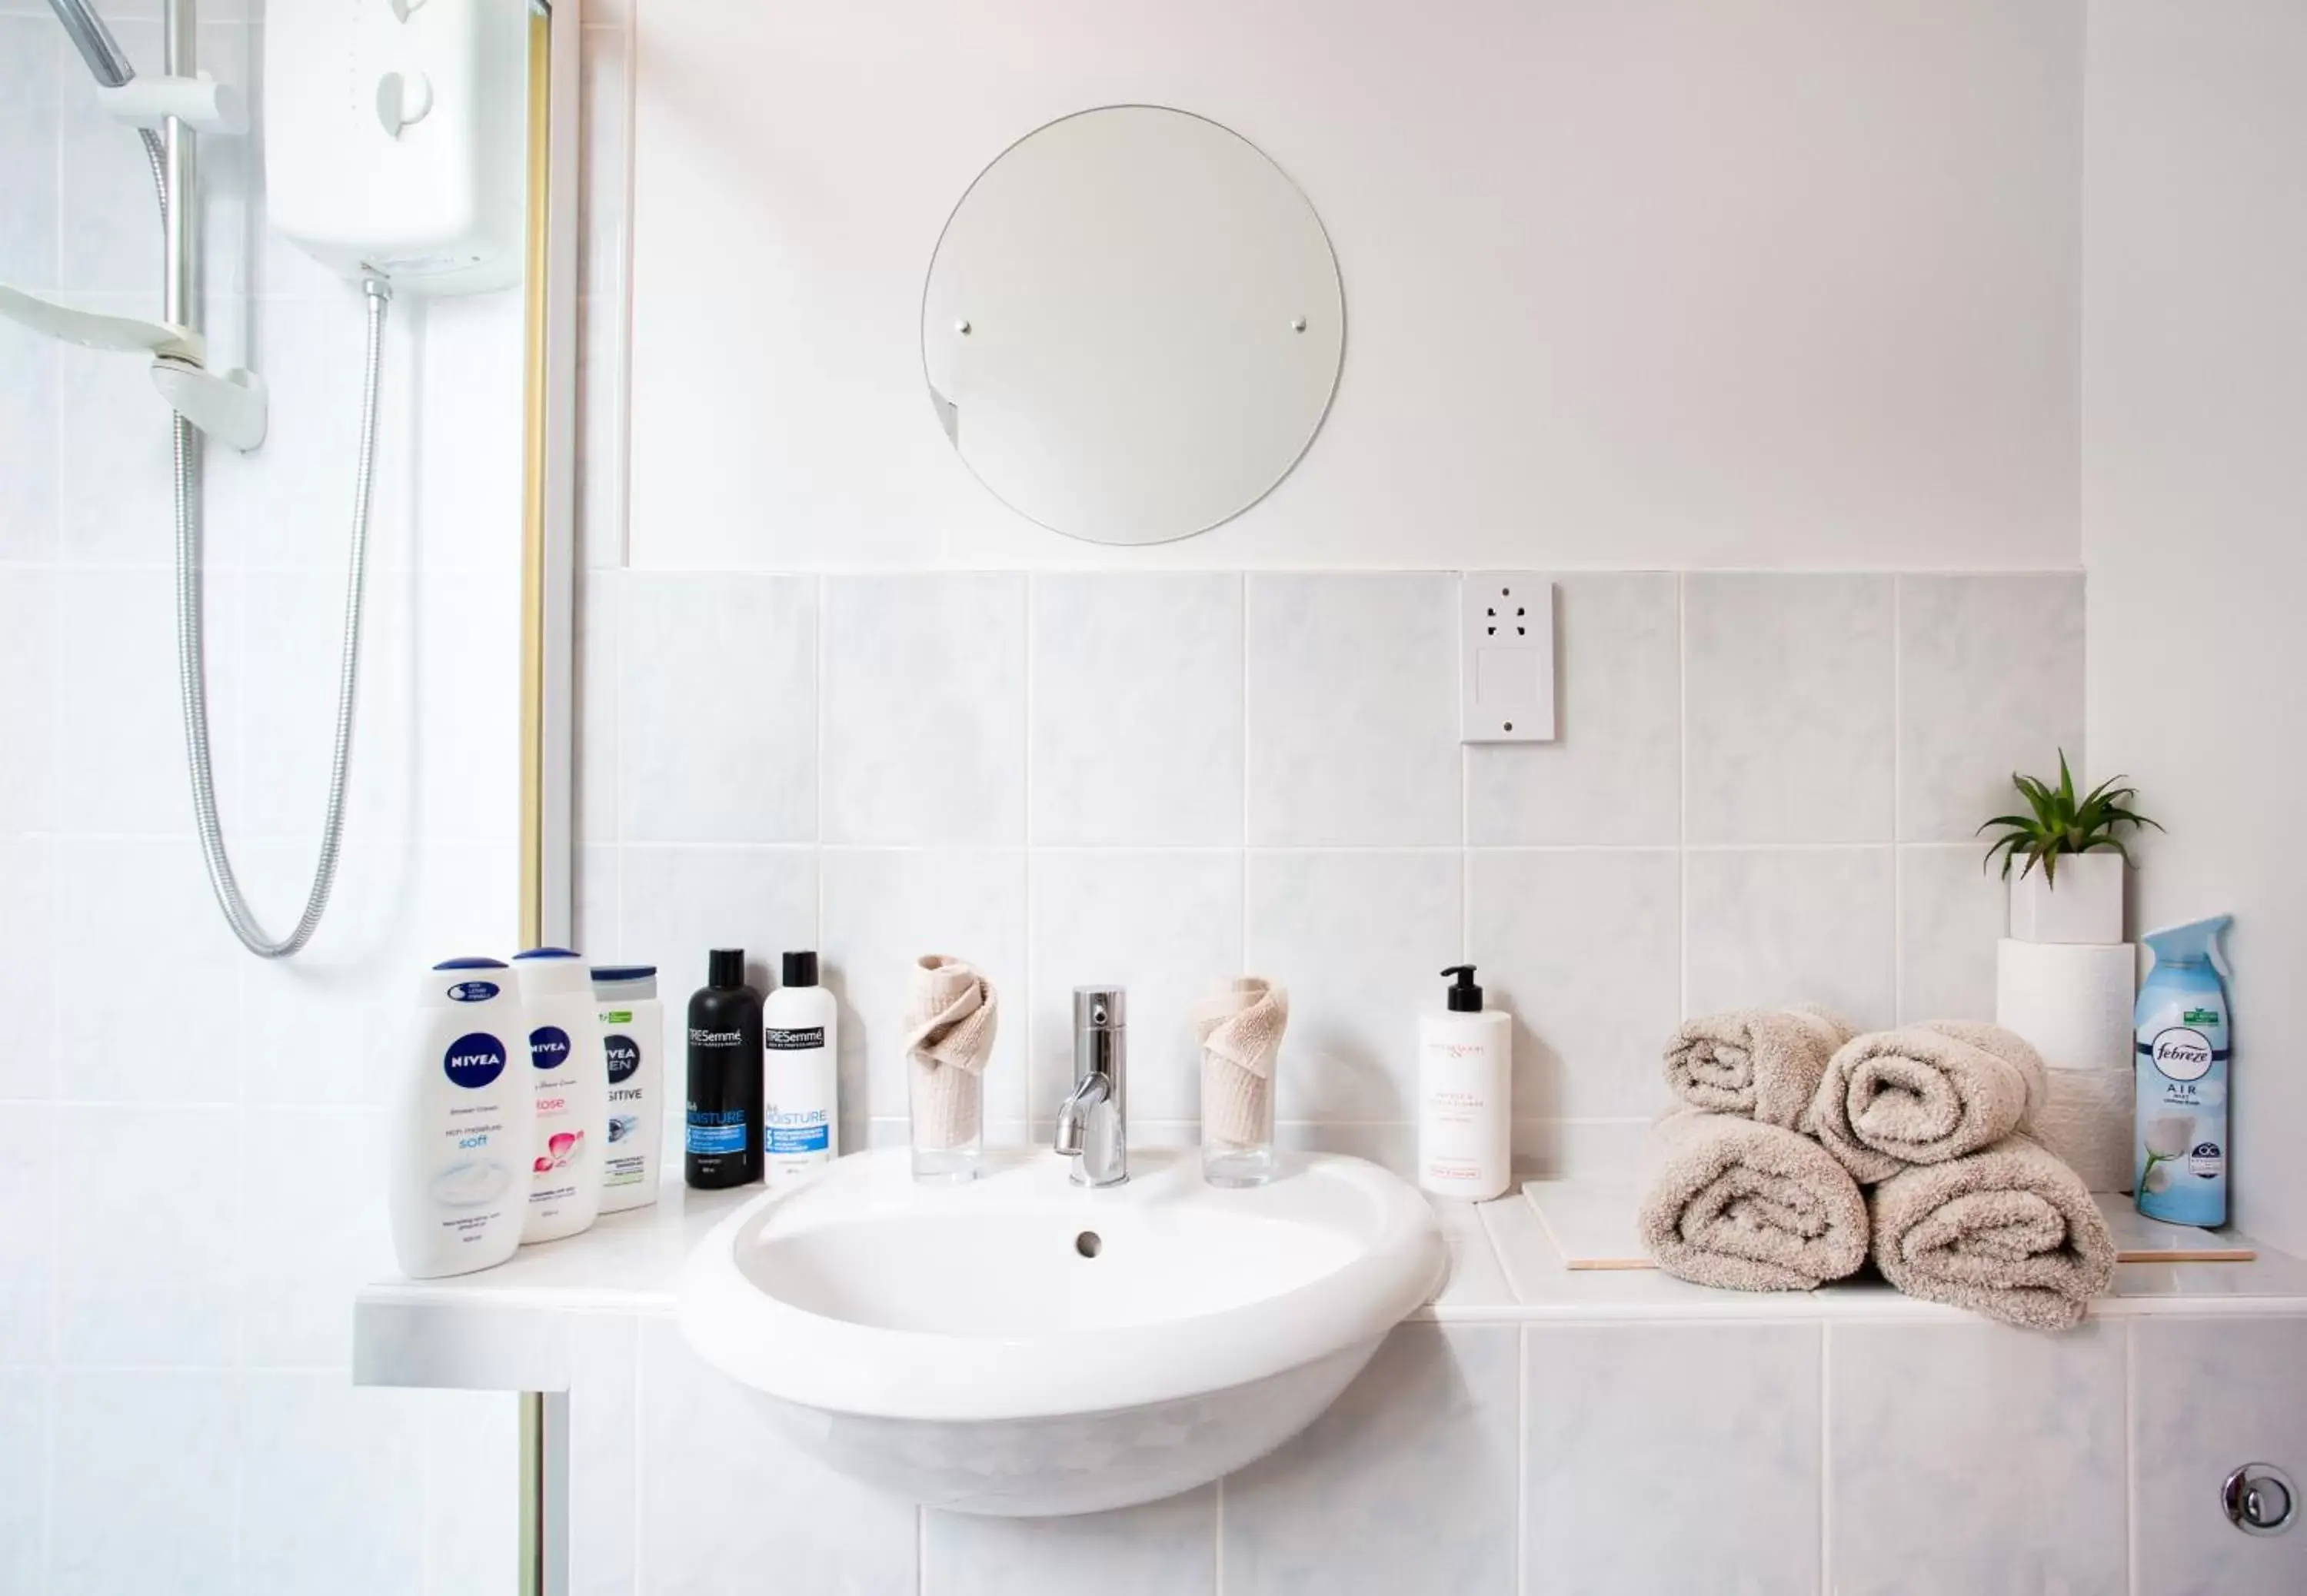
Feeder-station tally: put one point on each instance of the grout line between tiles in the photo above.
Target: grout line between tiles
(1825, 1459)
(2130, 1458)
(1217, 1550)
(1522, 1435)
(921, 1551)
(1682, 796)
(1898, 826)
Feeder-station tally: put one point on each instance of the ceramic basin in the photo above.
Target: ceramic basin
(1021, 1345)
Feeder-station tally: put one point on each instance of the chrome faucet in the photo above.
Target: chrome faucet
(1094, 1120)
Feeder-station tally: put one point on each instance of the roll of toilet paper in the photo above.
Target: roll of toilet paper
(2086, 1120)
(2072, 1001)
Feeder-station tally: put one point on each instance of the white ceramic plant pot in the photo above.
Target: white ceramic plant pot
(2085, 905)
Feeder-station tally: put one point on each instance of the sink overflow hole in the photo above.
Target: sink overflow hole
(1087, 1244)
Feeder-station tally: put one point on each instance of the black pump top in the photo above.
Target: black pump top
(725, 967)
(800, 969)
(1465, 997)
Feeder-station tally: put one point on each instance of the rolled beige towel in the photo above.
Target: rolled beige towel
(1239, 1027)
(1763, 1063)
(951, 1015)
(2007, 1231)
(1734, 1202)
(1924, 1094)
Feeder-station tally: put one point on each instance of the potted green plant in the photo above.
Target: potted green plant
(2076, 894)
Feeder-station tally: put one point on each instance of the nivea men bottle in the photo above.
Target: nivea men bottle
(724, 1130)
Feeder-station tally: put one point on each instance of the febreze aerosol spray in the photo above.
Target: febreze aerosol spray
(2181, 1141)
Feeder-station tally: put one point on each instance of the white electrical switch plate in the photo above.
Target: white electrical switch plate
(1505, 670)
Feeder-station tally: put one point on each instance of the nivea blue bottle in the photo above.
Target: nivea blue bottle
(2180, 1149)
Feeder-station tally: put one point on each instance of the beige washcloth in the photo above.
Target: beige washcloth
(1733, 1202)
(1763, 1063)
(2007, 1231)
(951, 1014)
(1924, 1094)
(1239, 1027)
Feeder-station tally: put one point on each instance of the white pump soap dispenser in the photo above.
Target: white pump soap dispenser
(1465, 1085)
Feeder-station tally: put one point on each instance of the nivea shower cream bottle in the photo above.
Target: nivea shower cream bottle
(463, 1117)
(2180, 1145)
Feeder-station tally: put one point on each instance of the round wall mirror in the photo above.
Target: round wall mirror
(1133, 325)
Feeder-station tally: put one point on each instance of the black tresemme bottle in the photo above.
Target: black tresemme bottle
(724, 1130)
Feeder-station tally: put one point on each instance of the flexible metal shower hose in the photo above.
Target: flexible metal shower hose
(191, 675)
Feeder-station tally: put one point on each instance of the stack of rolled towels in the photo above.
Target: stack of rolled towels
(1803, 1149)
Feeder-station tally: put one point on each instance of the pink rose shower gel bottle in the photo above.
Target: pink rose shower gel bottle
(571, 1085)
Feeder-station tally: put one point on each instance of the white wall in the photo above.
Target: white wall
(1659, 284)
(190, 1171)
(2195, 509)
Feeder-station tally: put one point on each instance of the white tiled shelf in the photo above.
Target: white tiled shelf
(507, 1328)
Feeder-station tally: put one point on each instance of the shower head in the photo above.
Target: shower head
(105, 59)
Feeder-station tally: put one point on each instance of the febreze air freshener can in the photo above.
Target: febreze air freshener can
(2181, 1142)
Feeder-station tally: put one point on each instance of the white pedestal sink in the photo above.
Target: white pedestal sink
(1021, 1345)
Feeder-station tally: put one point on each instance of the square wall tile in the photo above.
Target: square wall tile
(315, 1192)
(1952, 913)
(28, 967)
(1770, 925)
(1353, 710)
(1975, 1457)
(924, 709)
(1406, 1483)
(119, 730)
(593, 728)
(1787, 702)
(2205, 1396)
(717, 708)
(113, 1526)
(28, 79)
(149, 1258)
(1613, 772)
(28, 664)
(1660, 1450)
(1162, 1548)
(333, 1477)
(711, 1521)
(173, 1033)
(884, 909)
(1584, 949)
(1990, 681)
(28, 1242)
(1165, 925)
(1356, 936)
(1138, 708)
(676, 904)
(29, 377)
(24, 1397)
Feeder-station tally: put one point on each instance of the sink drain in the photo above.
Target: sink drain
(1087, 1243)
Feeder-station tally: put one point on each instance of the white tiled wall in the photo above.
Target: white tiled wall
(1951, 1459)
(188, 1173)
(1165, 779)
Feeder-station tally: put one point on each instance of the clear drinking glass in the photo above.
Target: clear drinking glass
(1236, 1126)
(947, 1105)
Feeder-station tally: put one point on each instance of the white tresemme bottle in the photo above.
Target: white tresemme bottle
(632, 1039)
(457, 1180)
(570, 1079)
(800, 1075)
